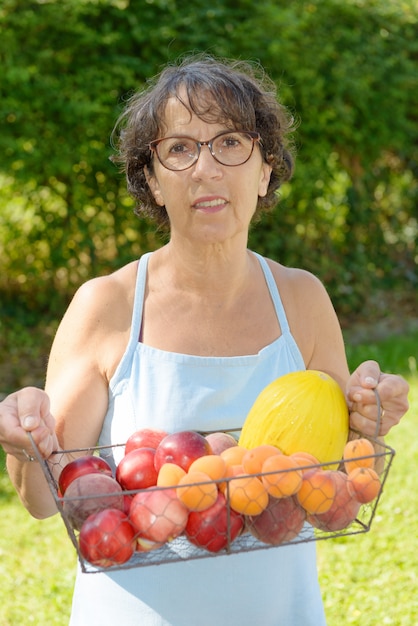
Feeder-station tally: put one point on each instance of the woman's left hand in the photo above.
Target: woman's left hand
(362, 402)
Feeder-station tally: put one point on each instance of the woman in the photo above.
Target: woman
(187, 337)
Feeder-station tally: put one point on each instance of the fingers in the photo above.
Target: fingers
(364, 411)
(27, 410)
(364, 420)
(33, 408)
(368, 374)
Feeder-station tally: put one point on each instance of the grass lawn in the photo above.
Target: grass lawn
(367, 580)
(372, 578)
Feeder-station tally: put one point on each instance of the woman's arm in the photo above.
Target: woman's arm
(318, 333)
(88, 345)
(21, 412)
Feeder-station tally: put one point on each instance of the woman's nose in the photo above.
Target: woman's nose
(206, 164)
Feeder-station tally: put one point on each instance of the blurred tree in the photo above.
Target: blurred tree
(347, 70)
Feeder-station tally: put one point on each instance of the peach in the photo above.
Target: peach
(215, 528)
(90, 494)
(343, 511)
(220, 441)
(281, 521)
(158, 515)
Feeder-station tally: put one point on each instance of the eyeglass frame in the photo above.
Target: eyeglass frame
(255, 137)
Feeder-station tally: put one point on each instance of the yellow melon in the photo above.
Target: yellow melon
(302, 411)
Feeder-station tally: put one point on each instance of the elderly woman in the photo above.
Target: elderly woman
(187, 337)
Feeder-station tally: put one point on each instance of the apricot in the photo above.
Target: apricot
(317, 491)
(247, 495)
(169, 475)
(305, 460)
(364, 484)
(344, 508)
(197, 491)
(233, 455)
(231, 472)
(253, 460)
(287, 477)
(212, 464)
(358, 453)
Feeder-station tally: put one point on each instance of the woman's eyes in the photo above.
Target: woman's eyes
(182, 147)
(230, 142)
(188, 146)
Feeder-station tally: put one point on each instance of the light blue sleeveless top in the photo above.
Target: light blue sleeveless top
(171, 391)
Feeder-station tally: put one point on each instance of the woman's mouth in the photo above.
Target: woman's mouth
(210, 206)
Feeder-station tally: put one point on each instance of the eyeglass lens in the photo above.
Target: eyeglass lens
(230, 148)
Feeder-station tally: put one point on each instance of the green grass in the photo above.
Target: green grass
(366, 579)
(372, 579)
(396, 354)
(37, 564)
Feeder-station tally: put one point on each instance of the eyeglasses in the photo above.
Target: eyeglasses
(228, 148)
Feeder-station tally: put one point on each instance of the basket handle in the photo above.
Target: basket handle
(379, 413)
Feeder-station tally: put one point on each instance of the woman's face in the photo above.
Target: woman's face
(209, 202)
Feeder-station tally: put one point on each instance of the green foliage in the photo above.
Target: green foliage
(350, 70)
(347, 69)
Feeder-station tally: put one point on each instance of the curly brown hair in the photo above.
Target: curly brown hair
(223, 91)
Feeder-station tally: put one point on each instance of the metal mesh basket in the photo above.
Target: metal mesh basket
(248, 539)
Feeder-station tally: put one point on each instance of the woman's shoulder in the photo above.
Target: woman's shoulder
(100, 290)
(104, 302)
(295, 279)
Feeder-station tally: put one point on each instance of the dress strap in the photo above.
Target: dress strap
(140, 293)
(274, 293)
(141, 280)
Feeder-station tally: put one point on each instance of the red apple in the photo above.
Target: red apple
(158, 515)
(181, 448)
(220, 442)
(344, 508)
(145, 438)
(107, 538)
(209, 529)
(281, 521)
(90, 494)
(87, 464)
(136, 470)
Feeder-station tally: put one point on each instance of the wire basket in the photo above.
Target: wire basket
(285, 519)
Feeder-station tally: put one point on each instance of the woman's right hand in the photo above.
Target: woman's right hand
(27, 410)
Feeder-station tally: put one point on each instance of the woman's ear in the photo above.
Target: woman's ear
(264, 179)
(154, 186)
